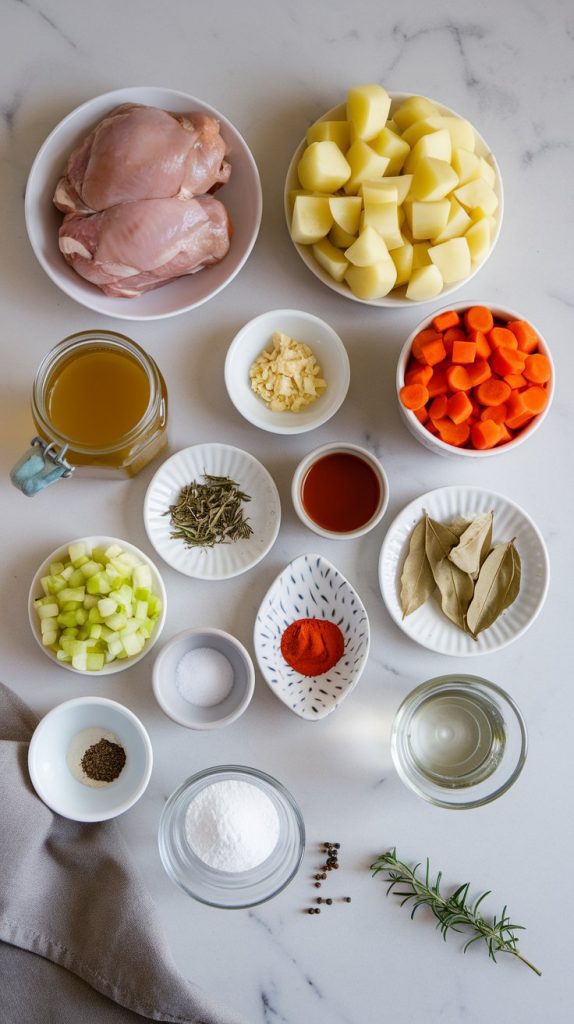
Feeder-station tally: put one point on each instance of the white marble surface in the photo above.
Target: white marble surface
(272, 68)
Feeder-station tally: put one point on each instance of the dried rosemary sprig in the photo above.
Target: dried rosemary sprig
(452, 912)
(210, 513)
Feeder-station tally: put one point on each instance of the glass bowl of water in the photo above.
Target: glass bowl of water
(458, 741)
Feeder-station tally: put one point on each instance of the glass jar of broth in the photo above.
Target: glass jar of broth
(98, 402)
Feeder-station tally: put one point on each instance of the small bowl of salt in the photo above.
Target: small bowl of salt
(203, 678)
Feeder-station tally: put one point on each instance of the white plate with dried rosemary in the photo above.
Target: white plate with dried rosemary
(212, 511)
(463, 571)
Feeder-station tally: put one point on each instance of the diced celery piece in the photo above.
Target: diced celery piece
(107, 606)
(67, 619)
(116, 621)
(115, 646)
(120, 567)
(107, 633)
(133, 644)
(94, 662)
(140, 609)
(56, 568)
(90, 601)
(142, 577)
(67, 644)
(48, 626)
(94, 615)
(81, 616)
(49, 638)
(79, 562)
(70, 606)
(95, 631)
(129, 560)
(98, 584)
(113, 551)
(72, 594)
(46, 584)
(57, 583)
(77, 579)
(125, 593)
(49, 611)
(67, 572)
(131, 626)
(142, 594)
(70, 632)
(76, 551)
(146, 628)
(62, 656)
(80, 660)
(91, 568)
(109, 657)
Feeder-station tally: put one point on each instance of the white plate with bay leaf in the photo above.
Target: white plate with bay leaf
(471, 579)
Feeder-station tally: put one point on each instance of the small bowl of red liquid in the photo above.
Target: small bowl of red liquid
(340, 491)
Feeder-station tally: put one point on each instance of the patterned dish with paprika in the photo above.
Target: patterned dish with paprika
(311, 637)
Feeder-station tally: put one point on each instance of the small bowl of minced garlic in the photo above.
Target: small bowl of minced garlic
(287, 371)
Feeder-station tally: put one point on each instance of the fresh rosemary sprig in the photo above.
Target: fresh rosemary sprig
(452, 912)
(210, 513)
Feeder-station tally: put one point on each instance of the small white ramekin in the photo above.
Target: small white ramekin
(330, 449)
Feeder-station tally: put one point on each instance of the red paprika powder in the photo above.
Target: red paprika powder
(312, 646)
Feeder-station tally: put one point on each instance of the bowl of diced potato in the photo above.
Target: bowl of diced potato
(97, 605)
(393, 198)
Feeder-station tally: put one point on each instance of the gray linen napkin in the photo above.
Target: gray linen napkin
(80, 940)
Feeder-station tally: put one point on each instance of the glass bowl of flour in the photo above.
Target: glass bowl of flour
(231, 837)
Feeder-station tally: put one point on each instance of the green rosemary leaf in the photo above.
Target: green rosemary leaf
(455, 912)
(210, 513)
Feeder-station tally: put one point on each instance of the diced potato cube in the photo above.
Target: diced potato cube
(432, 180)
(416, 108)
(427, 220)
(416, 131)
(461, 132)
(383, 217)
(372, 282)
(323, 168)
(341, 238)
(346, 211)
(477, 195)
(331, 259)
(364, 163)
(452, 259)
(425, 283)
(368, 109)
(457, 224)
(312, 219)
(478, 240)
(487, 172)
(338, 132)
(386, 143)
(436, 145)
(403, 260)
(421, 256)
(371, 189)
(368, 249)
(466, 165)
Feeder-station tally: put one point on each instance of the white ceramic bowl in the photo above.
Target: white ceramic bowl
(396, 297)
(433, 443)
(241, 197)
(330, 449)
(311, 587)
(37, 591)
(263, 511)
(183, 711)
(327, 348)
(52, 778)
(428, 625)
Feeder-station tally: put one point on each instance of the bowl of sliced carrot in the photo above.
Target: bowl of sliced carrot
(474, 380)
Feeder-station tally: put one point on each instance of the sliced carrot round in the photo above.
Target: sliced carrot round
(478, 318)
(486, 434)
(537, 368)
(414, 396)
(458, 378)
(493, 392)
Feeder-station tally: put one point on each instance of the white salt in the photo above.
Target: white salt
(204, 677)
(232, 826)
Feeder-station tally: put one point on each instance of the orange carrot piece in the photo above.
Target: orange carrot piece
(438, 384)
(419, 374)
(479, 371)
(498, 413)
(421, 414)
(525, 335)
(458, 378)
(432, 353)
(535, 399)
(459, 407)
(493, 392)
(478, 318)
(443, 321)
(485, 434)
(517, 415)
(429, 425)
(537, 368)
(507, 360)
(501, 337)
(449, 337)
(463, 352)
(456, 434)
(414, 396)
(422, 338)
(471, 421)
(515, 380)
(505, 435)
(437, 408)
(483, 349)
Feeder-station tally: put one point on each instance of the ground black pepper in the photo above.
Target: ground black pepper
(103, 761)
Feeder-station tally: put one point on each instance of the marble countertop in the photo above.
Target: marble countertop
(272, 69)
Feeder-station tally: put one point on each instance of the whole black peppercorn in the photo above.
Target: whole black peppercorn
(337, 846)
(317, 911)
(317, 885)
(329, 902)
(347, 899)
(323, 876)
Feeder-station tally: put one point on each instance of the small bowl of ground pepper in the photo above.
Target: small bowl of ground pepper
(90, 759)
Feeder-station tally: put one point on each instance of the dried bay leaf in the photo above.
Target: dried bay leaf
(459, 525)
(497, 586)
(456, 587)
(474, 545)
(417, 580)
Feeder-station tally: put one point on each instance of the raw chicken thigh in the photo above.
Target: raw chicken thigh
(135, 204)
(142, 152)
(133, 247)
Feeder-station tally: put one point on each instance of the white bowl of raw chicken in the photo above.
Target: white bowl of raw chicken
(241, 196)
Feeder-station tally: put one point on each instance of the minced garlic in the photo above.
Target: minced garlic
(287, 376)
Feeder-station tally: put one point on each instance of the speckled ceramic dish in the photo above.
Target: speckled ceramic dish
(311, 587)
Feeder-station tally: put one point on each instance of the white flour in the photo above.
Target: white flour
(232, 826)
(204, 677)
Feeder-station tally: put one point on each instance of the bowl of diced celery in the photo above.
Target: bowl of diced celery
(97, 605)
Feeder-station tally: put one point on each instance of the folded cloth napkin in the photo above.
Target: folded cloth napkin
(80, 939)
